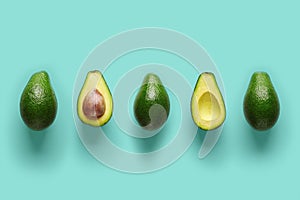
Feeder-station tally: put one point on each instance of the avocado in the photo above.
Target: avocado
(207, 104)
(152, 104)
(261, 103)
(95, 103)
(38, 104)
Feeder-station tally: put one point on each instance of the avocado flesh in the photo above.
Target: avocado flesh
(261, 103)
(207, 104)
(152, 104)
(95, 104)
(38, 104)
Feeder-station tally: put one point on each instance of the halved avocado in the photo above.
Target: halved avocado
(207, 104)
(95, 104)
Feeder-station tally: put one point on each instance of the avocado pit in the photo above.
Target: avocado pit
(93, 105)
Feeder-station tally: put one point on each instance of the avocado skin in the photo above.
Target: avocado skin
(151, 92)
(38, 104)
(261, 103)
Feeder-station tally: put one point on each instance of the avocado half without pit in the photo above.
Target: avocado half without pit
(207, 104)
(95, 104)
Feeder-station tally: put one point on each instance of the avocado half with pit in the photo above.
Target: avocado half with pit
(207, 104)
(95, 104)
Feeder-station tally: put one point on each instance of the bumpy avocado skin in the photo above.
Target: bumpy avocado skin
(261, 102)
(152, 92)
(38, 104)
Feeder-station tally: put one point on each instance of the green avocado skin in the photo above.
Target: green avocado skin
(38, 104)
(150, 93)
(261, 103)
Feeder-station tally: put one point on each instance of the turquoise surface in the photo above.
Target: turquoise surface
(241, 37)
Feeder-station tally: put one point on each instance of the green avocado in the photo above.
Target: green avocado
(207, 103)
(95, 103)
(38, 104)
(261, 103)
(152, 104)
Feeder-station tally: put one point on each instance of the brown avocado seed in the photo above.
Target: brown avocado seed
(93, 105)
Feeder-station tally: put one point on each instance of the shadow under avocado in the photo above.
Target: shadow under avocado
(200, 136)
(198, 141)
(261, 139)
(36, 140)
(40, 150)
(146, 145)
(219, 150)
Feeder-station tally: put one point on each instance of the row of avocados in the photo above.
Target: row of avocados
(38, 104)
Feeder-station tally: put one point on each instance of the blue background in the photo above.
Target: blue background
(241, 37)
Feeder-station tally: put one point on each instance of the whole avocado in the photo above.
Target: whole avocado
(38, 104)
(152, 103)
(261, 103)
